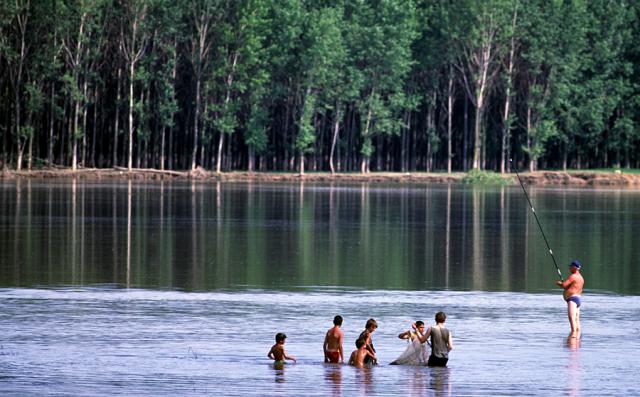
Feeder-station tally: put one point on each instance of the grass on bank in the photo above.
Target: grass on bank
(477, 177)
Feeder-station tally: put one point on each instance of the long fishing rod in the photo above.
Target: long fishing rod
(537, 220)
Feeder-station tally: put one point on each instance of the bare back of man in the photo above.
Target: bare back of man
(333, 345)
(358, 357)
(575, 284)
(277, 352)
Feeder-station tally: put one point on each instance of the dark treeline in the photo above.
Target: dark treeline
(340, 85)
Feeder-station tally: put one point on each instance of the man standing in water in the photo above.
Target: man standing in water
(441, 342)
(333, 342)
(572, 290)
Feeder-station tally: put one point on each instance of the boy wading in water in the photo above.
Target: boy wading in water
(359, 356)
(277, 352)
(573, 286)
(416, 352)
(441, 342)
(369, 327)
(333, 343)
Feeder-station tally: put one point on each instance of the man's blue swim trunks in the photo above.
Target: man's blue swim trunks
(574, 298)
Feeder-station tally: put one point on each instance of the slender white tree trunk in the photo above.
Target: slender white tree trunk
(336, 129)
(450, 94)
(132, 72)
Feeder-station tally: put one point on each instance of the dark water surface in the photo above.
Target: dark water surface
(178, 288)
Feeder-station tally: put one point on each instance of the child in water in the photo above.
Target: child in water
(358, 356)
(277, 352)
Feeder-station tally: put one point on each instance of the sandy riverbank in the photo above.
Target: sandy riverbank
(571, 178)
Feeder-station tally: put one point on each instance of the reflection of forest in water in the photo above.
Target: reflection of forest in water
(201, 236)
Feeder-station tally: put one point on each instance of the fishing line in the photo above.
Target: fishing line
(537, 220)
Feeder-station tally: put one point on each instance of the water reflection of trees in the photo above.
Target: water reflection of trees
(202, 236)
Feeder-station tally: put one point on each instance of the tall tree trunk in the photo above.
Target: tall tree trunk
(19, 145)
(465, 136)
(219, 151)
(477, 134)
(379, 153)
(450, 97)
(74, 135)
(196, 121)
(479, 61)
(364, 165)
(65, 124)
(30, 151)
(530, 144)
(16, 79)
(30, 138)
(227, 99)
(116, 118)
(301, 163)
(404, 149)
(134, 46)
(506, 123)
(132, 72)
(85, 110)
(52, 108)
(250, 158)
(427, 126)
(5, 141)
(95, 126)
(334, 140)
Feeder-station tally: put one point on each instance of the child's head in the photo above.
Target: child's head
(419, 324)
(280, 337)
(371, 324)
(337, 320)
(359, 343)
(440, 317)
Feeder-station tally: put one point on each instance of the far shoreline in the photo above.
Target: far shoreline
(558, 178)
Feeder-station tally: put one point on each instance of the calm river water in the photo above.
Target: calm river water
(179, 288)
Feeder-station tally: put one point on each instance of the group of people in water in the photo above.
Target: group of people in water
(436, 336)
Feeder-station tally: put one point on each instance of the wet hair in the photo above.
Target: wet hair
(440, 317)
(360, 342)
(371, 323)
(337, 320)
(419, 323)
(280, 337)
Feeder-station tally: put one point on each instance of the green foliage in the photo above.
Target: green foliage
(282, 74)
(35, 97)
(26, 131)
(306, 136)
(539, 136)
(478, 177)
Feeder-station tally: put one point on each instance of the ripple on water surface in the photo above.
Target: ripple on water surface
(104, 341)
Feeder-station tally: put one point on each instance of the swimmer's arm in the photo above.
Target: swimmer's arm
(324, 347)
(450, 342)
(404, 335)
(288, 357)
(340, 348)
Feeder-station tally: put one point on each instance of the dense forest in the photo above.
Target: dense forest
(321, 85)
